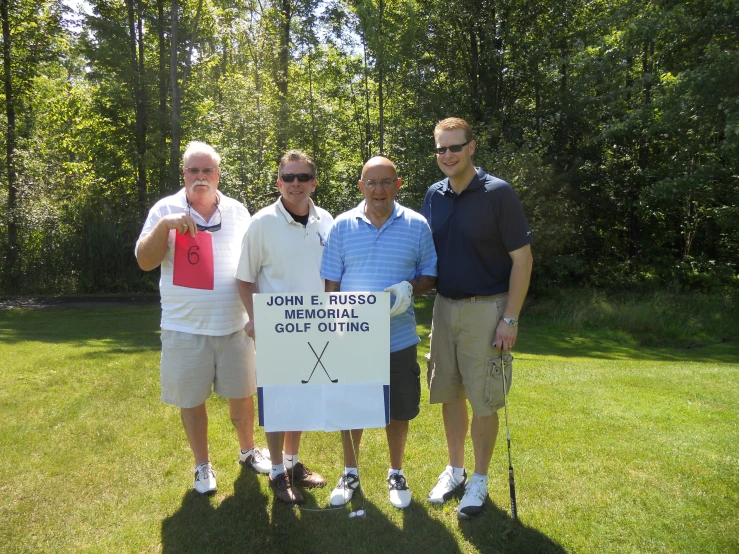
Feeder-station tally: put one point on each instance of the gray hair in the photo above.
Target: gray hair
(198, 147)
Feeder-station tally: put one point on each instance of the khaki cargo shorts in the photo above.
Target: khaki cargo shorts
(463, 362)
(193, 364)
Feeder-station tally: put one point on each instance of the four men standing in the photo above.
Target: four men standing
(473, 221)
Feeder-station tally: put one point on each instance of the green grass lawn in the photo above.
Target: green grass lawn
(617, 447)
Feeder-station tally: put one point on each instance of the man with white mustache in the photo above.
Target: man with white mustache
(204, 344)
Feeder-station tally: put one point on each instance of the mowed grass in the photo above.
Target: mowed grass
(617, 447)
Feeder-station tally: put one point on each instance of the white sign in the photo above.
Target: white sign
(323, 360)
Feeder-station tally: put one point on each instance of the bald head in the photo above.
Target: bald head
(381, 163)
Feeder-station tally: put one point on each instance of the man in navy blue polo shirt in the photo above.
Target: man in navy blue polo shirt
(483, 243)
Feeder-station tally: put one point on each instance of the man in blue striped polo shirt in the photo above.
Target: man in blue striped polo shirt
(383, 246)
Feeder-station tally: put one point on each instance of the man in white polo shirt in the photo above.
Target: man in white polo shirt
(204, 344)
(282, 253)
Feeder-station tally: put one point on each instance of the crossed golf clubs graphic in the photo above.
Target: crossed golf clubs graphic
(318, 358)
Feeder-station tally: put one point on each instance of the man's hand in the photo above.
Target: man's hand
(182, 223)
(250, 329)
(505, 336)
(403, 292)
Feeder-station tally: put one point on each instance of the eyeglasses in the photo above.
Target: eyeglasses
(384, 183)
(456, 148)
(290, 177)
(207, 171)
(209, 228)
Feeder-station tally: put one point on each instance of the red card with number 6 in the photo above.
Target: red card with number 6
(193, 261)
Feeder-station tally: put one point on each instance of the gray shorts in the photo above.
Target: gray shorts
(463, 362)
(193, 364)
(405, 384)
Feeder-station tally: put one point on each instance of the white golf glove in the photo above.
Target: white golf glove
(403, 292)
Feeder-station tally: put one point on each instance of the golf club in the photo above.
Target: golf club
(511, 481)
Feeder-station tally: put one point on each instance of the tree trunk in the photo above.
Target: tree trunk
(282, 75)
(135, 32)
(162, 109)
(178, 89)
(380, 81)
(174, 145)
(11, 269)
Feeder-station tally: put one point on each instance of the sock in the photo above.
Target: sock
(248, 450)
(457, 471)
(479, 477)
(391, 471)
(352, 470)
(290, 460)
(276, 470)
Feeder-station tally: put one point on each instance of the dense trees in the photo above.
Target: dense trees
(618, 122)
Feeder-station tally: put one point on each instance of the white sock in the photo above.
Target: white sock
(391, 471)
(276, 470)
(457, 471)
(352, 470)
(478, 477)
(290, 460)
(249, 450)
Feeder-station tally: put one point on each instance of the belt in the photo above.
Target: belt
(478, 298)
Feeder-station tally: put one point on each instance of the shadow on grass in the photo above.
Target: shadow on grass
(132, 328)
(245, 523)
(496, 532)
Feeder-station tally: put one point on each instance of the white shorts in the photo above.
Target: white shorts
(192, 364)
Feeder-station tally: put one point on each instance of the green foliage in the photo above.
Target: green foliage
(617, 123)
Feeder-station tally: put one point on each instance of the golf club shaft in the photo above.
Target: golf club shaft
(511, 480)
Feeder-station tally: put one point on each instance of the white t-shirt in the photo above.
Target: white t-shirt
(214, 312)
(281, 255)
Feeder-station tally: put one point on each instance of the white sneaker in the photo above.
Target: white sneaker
(255, 460)
(205, 479)
(400, 494)
(344, 490)
(447, 486)
(473, 500)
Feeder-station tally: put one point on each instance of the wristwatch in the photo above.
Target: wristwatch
(512, 321)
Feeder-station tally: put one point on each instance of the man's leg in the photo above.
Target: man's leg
(242, 417)
(195, 422)
(455, 426)
(292, 442)
(351, 452)
(397, 433)
(484, 434)
(275, 442)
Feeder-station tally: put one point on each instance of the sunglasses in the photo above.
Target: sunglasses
(290, 177)
(209, 228)
(456, 148)
(207, 171)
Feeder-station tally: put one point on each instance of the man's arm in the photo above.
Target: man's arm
(153, 247)
(505, 335)
(423, 284)
(332, 286)
(246, 292)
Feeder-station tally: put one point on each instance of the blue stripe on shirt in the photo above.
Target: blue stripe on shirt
(362, 258)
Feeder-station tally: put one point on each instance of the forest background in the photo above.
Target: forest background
(617, 122)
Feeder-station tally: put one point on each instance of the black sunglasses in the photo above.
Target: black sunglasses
(453, 148)
(290, 177)
(209, 228)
